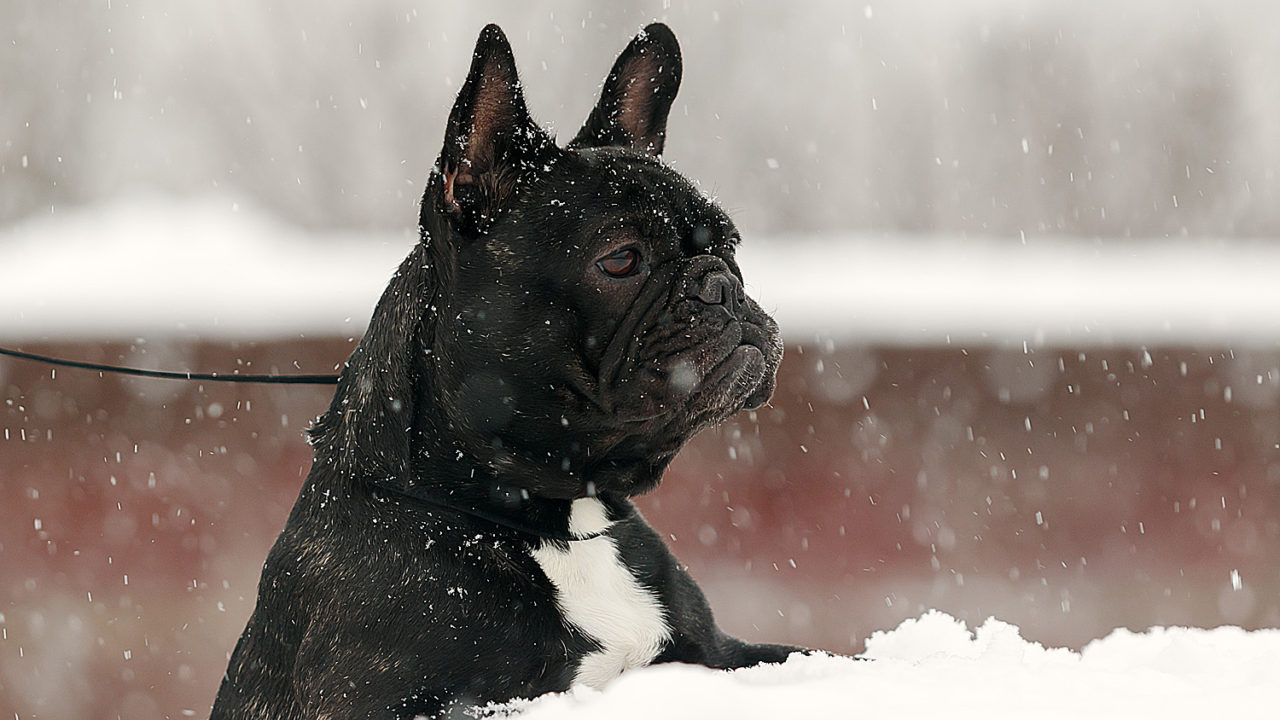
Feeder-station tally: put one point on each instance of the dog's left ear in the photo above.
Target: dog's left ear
(637, 95)
(491, 144)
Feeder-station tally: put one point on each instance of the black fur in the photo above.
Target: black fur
(503, 375)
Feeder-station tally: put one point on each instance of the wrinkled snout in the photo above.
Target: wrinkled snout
(722, 287)
(709, 280)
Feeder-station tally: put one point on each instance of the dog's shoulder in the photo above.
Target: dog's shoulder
(421, 603)
(378, 548)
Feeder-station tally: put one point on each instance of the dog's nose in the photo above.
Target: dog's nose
(722, 288)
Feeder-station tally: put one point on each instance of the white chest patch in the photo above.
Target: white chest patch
(599, 596)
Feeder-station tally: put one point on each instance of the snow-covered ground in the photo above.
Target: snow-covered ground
(152, 267)
(934, 667)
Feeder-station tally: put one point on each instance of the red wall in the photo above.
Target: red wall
(1066, 492)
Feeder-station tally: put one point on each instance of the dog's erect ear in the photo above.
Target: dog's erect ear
(491, 144)
(637, 95)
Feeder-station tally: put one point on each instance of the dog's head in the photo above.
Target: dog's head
(572, 315)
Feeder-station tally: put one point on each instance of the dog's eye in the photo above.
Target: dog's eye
(620, 264)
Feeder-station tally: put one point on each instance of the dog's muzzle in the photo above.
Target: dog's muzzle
(703, 349)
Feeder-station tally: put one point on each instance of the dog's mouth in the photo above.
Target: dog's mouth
(741, 371)
(767, 345)
(705, 387)
(744, 374)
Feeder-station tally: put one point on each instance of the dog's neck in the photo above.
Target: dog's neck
(502, 488)
(526, 516)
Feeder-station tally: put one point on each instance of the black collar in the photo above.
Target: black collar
(424, 497)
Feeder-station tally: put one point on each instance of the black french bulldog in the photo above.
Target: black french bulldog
(570, 318)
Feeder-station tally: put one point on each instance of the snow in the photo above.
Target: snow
(1059, 291)
(165, 268)
(935, 667)
(159, 268)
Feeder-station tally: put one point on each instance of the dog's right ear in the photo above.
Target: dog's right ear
(637, 95)
(491, 144)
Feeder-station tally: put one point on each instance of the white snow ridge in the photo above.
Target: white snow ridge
(934, 667)
(214, 268)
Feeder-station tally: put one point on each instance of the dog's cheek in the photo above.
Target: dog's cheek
(644, 393)
(486, 400)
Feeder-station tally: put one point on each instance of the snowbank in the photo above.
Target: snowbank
(933, 667)
(210, 268)
(1057, 291)
(156, 267)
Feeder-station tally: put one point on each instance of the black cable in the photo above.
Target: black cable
(170, 375)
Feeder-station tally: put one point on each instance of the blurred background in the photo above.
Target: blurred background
(1022, 253)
